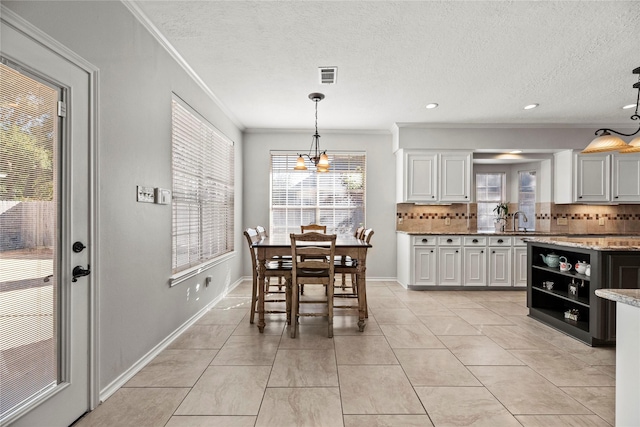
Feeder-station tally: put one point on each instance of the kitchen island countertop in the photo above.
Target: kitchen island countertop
(598, 243)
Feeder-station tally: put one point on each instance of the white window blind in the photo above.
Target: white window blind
(203, 190)
(490, 191)
(527, 199)
(29, 319)
(335, 198)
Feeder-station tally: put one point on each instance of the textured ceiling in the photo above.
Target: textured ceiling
(481, 61)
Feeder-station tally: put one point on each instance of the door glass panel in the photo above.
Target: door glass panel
(28, 238)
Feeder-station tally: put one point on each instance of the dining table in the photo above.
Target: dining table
(278, 245)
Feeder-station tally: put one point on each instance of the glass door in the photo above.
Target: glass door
(45, 311)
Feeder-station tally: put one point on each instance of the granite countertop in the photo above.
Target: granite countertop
(475, 233)
(625, 296)
(598, 243)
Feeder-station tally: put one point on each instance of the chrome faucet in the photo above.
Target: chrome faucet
(515, 216)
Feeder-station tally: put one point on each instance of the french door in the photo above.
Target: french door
(45, 282)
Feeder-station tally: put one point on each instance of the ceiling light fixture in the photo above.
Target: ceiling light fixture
(530, 106)
(629, 106)
(319, 159)
(432, 106)
(604, 141)
(515, 151)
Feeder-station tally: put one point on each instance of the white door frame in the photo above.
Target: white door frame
(10, 18)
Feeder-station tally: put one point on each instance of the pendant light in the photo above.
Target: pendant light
(607, 142)
(319, 159)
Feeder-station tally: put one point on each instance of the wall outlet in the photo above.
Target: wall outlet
(600, 221)
(447, 221)
(562, 221)
(144, 194)
(400, 220)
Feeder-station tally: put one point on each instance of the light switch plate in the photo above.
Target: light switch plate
(600, 221)
(144, 194)
(162, 196)
(562, 221)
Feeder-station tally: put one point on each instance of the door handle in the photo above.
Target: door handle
(78, 271)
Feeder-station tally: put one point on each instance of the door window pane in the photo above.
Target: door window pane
(28, 235)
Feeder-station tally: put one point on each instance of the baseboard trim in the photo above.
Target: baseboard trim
(116, 384)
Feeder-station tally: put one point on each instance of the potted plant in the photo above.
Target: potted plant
(502, 213)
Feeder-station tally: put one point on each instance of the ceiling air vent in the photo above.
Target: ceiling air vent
(328, 75)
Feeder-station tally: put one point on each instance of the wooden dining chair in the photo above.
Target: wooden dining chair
(274, 268)
(313, 227)
(350, 267)
(262, 232)
(313, 258)
(345, 260)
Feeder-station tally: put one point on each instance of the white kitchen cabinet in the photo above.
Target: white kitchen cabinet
(449, 260)
(596, 178)
(473, 261)
(455, 177)
(499, 266)
(475, 266)
(449, 266)
(625, 185)
(520, 267)
(425, 176)
(425, 268)
(592, 178)
(417, 175)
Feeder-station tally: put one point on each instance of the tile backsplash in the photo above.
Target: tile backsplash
(580, 219)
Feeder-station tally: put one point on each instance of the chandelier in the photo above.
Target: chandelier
(318, 158)
(607, 142)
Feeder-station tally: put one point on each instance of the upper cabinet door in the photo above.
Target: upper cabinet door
(455, 177)
(420, 178)
(593, 178)
(626, 178)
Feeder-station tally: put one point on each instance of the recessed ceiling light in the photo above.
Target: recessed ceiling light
(626, 107)
(515, 152)
(530, 106)
(432, 106)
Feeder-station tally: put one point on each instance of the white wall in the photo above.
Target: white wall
(380, 191)
(137, 308)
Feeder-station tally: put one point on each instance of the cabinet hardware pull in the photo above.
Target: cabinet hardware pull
(475, 240)
(481, 252)
(449, 241)
(500, 241)
(456, 251)
(425, 240)
(493, 252)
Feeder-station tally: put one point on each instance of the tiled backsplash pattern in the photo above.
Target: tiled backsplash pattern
(580, 219)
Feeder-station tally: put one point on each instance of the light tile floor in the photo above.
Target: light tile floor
(445, 358)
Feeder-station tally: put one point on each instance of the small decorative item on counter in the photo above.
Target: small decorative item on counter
(588, 271)
(573, 289)
(564, 265)
(572, 314)
(552, 260)
(581, 267)
(547, 285)
(502, 213)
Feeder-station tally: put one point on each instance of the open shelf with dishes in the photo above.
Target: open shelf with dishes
(562, 297)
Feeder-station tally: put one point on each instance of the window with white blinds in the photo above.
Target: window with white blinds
(203, 189)
(335, 198)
